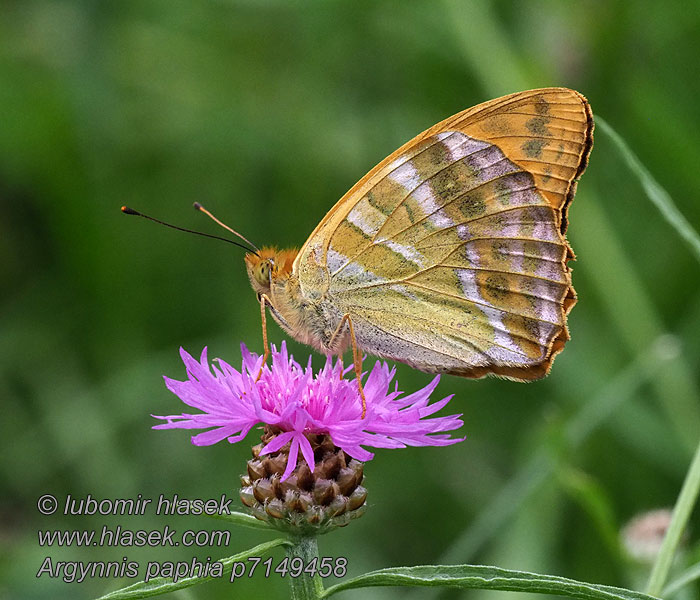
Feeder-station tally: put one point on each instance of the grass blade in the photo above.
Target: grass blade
(681, 513)
(657, 194)
(688, 576)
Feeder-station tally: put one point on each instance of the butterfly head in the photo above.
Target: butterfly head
(268, 266)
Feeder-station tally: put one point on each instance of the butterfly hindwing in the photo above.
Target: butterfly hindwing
(450, 254)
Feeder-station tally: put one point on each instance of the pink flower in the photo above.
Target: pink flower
(298, 402)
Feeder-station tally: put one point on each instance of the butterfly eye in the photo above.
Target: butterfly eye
(262, 273)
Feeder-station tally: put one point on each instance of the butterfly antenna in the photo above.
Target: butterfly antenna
(200, 208)
(130, 211)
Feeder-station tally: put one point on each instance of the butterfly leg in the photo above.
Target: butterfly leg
(264, 301)
(356, 356)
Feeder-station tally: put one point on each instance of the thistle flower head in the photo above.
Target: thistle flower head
(298, 404)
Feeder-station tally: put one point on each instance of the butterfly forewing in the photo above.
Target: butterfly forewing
(450, 255)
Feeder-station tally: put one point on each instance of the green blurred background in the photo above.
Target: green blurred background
(267, 112)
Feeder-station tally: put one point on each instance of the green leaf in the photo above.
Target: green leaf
(164, 585)
(244, 519)
(485, 578)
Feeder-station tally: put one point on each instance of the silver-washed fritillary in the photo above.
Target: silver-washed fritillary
(450, 254)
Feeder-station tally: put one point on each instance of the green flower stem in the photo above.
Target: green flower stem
(681, 513)
(305, 586)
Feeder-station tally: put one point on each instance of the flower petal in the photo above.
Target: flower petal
(298, 403)
(291, 459)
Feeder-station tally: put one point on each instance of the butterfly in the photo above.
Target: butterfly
(450, 255)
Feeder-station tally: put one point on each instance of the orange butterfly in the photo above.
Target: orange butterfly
(450, 254)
